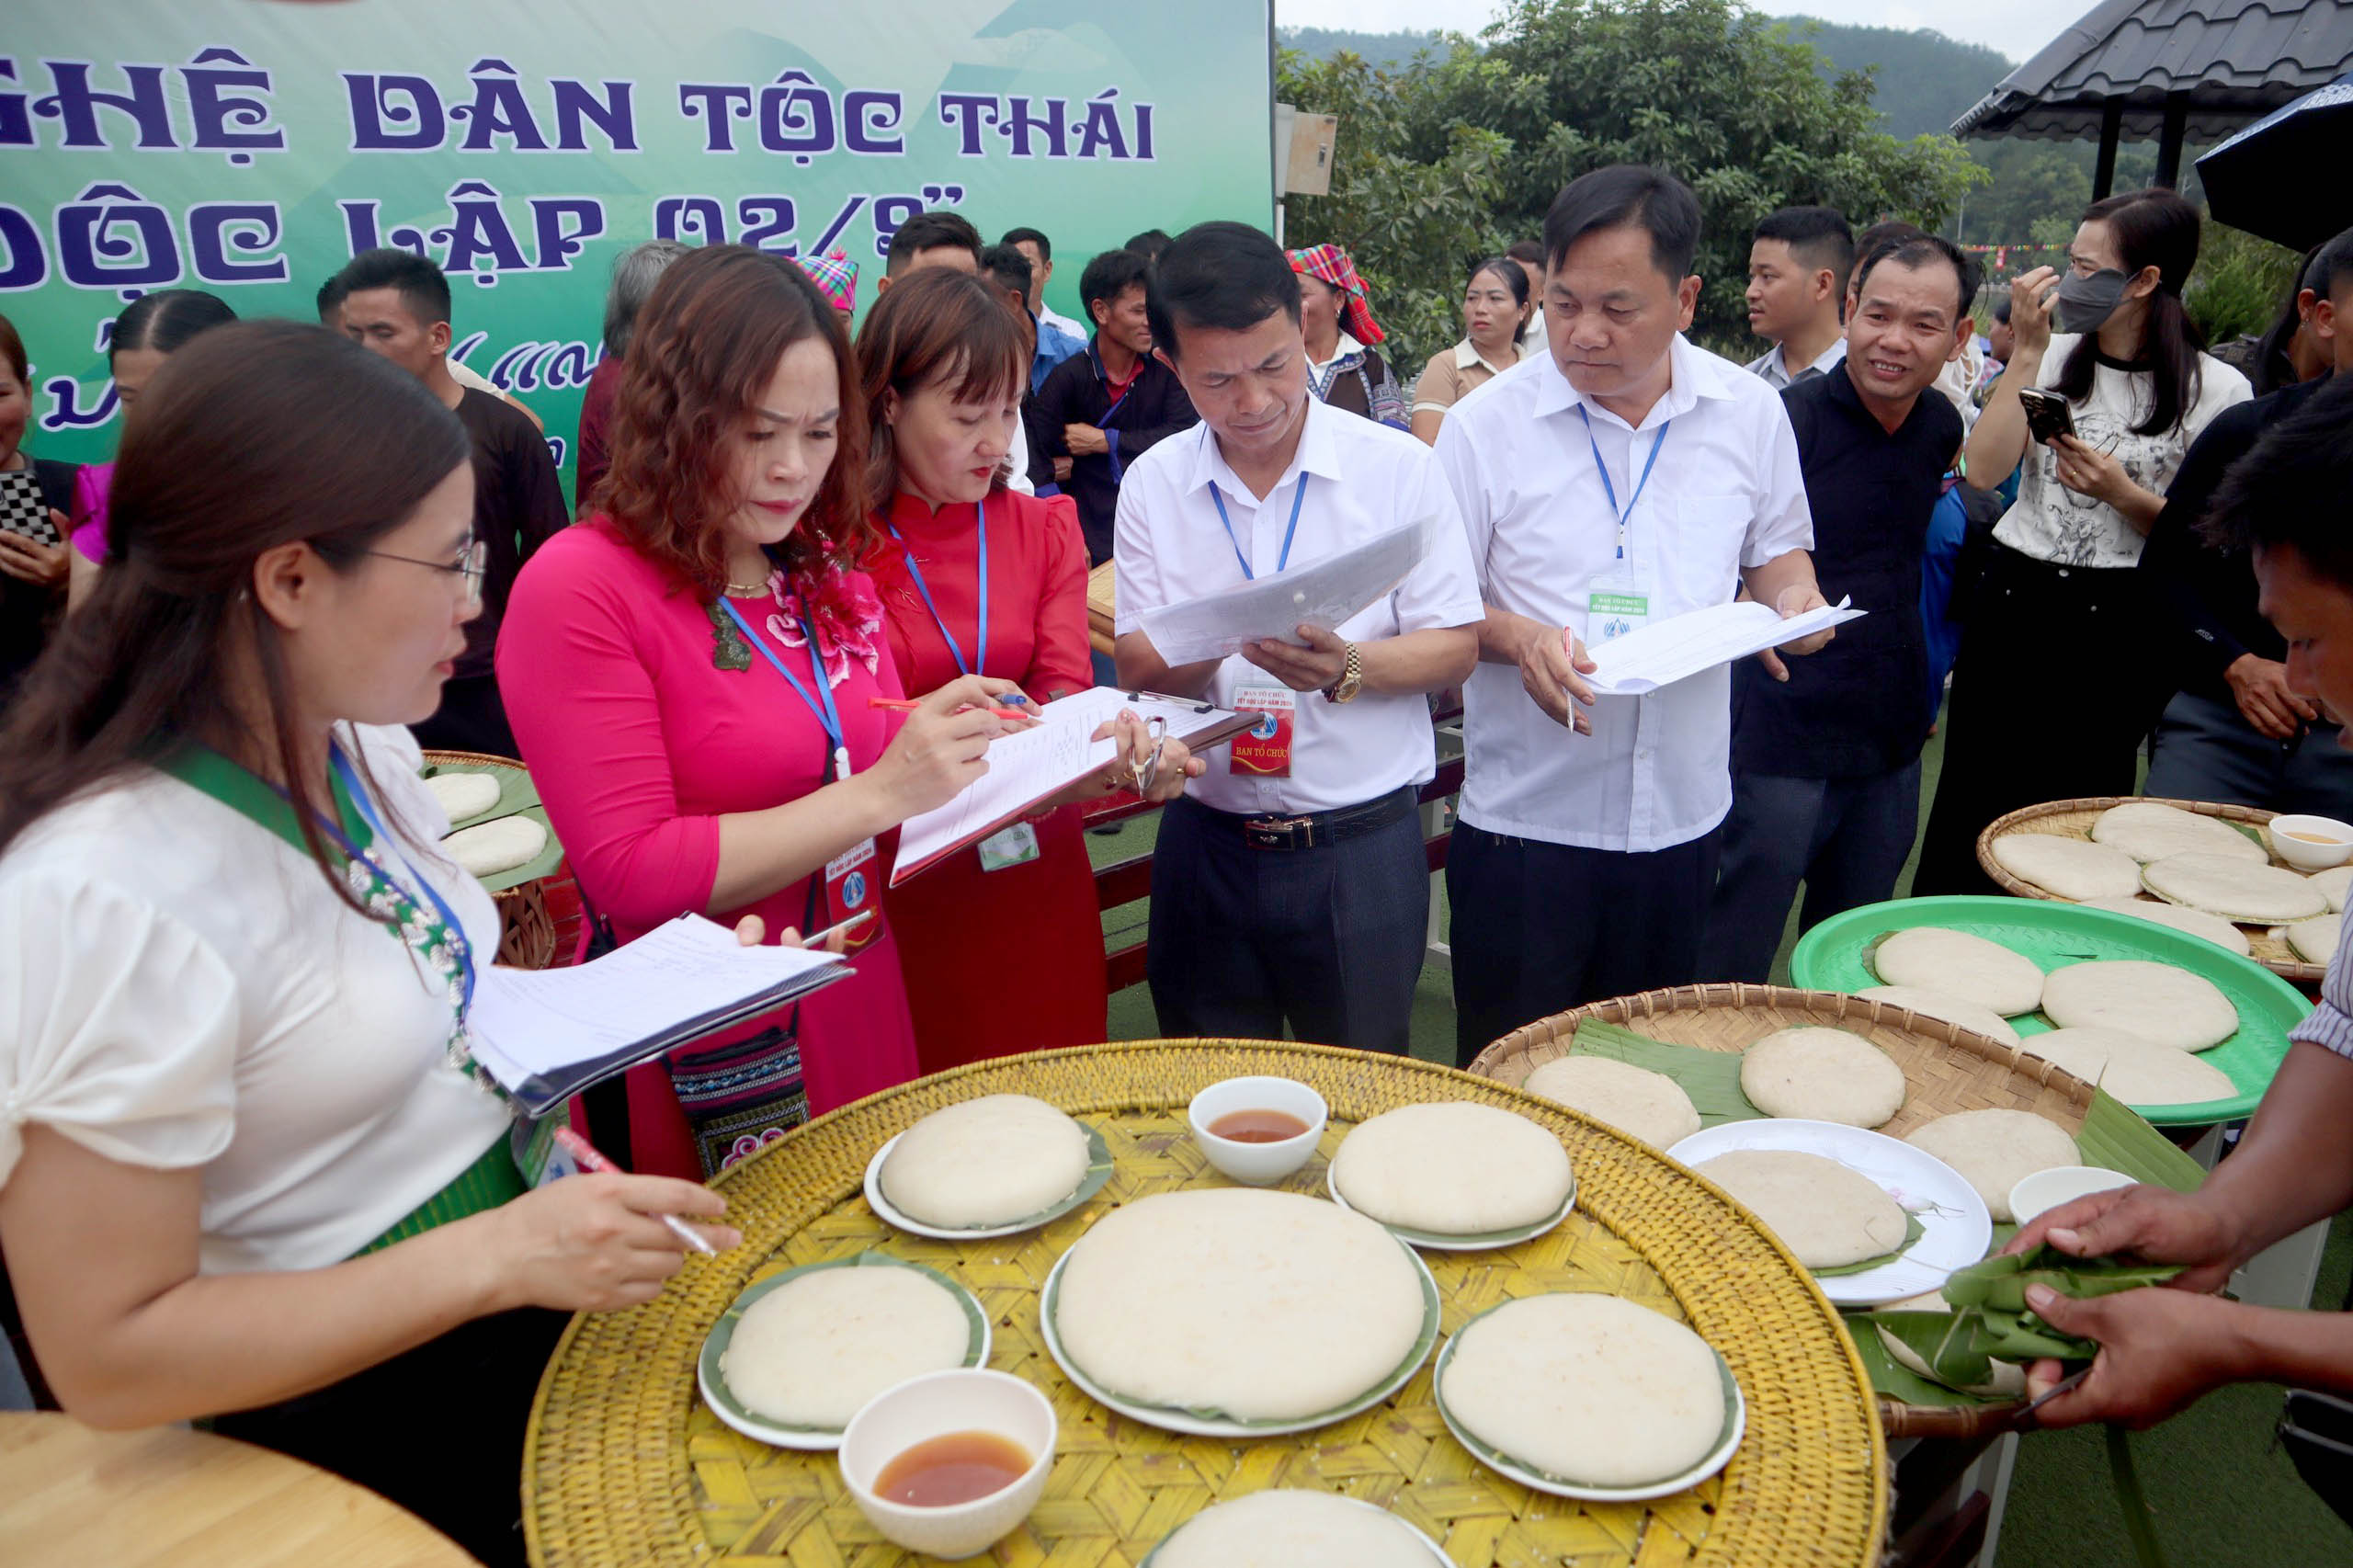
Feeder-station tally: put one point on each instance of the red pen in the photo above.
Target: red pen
(907, 705)
(580, 1149)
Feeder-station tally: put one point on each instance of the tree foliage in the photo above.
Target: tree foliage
(1450, 158)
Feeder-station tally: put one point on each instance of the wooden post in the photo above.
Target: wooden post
(2169, 139)
(2111, 126)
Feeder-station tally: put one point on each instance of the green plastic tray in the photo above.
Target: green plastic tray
(1831, 957)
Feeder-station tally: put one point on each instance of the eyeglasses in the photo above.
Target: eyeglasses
(469, 566)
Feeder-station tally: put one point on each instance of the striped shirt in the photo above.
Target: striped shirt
(2330, 1025)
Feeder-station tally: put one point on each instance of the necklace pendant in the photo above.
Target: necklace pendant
(728, 650)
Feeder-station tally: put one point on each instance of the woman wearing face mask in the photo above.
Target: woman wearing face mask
(975, 579)
(2051, 693)
(145, 334)
(1496, 309)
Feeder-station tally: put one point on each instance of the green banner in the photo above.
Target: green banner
(249, 147)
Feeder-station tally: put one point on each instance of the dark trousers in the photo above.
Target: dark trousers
(1327, 940)
(1539, 928)
(2205, 750)
(471, 718)
(1846, 839)
(438, 1429)
(2051, 696)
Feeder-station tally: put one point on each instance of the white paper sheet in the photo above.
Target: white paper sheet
(1026, 768)
(1324, 594)
(535, 1022)
(1681, 646)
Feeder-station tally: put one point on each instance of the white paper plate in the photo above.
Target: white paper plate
(1437, 1551)
(1192, 1424)
(1955, 1225)
(733, 1412)
(1727, 1443)
(1099, 1172)
(1480, 1242)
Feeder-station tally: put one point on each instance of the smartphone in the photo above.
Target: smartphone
(22, 510)
(2047, 415)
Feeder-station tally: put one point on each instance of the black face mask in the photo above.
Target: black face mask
(2083, 304)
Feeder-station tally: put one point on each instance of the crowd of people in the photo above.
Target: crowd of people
(807, 579)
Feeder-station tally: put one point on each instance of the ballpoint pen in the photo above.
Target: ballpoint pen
(580, 1149)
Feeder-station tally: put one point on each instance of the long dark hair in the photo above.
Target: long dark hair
(2152, 228)
(166, 318)
(1510, 274)
(257, 435)
(934, 325)
(2275, 363)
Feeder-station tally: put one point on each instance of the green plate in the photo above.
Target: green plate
(1833, 956)
(721, 1399)
(516, 796)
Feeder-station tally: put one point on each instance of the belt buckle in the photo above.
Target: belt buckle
(1281, 833)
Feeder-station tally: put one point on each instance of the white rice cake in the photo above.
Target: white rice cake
(2150, 830)
(2334, 884)
(1259, 1305)
(1822, 1075)
(2069, 868)
(1827, 1214)
(1636, 1101)
(1960, 965)
(2181, 917)
(1283, 1527)
(814, 1350)
(1993, 1150)
(2235, 889)
(985, 1162)
(462, 795)
(2156, 1001)
(1588, 1388)
(500, 845)
(2135, 1071)
(2315, 939)
(1452, 1169)
(1938, 1004)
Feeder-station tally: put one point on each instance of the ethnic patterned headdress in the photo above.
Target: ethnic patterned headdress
(1330, 264)
(836, 277)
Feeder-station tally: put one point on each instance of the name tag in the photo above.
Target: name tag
(1616, 605)
(1017, 845)
(1264, 752)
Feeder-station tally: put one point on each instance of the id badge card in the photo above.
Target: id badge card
(1618, 602)
(1015, 845)
(538, 1156)
(1263, 751)
(852, 887)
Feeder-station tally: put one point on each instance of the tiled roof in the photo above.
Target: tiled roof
(2237, 59)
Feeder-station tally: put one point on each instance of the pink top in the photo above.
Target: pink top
(92, 484)
(638, 743)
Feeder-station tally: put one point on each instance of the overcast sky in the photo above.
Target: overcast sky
(2016, 28)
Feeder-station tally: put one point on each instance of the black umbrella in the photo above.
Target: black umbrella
(2282, 177)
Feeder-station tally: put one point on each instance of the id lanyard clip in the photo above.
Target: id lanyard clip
(1289, 532)
(1610, 490)
(980, 647)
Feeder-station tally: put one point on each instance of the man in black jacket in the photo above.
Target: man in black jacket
(2235, 732)
(1097, 411)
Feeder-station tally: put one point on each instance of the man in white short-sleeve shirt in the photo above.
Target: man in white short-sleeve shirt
(1587, 852)
(1289, 884)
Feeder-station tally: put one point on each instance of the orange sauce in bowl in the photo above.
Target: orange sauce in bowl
(958, 1467)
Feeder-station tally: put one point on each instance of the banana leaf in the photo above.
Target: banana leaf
(1999, 1284)
(1710, 1077)
(1913, 1231)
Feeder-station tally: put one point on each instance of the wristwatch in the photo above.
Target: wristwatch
(1351, 679)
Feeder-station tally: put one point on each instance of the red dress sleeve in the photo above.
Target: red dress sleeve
(1061, 660)
(581, 699)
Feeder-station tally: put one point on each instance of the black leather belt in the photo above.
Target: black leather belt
(1321, 829)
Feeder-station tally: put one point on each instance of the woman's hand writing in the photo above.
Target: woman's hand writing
(943, 746)
(594, 1243)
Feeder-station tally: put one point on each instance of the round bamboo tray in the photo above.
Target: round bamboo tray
(527, 938)
(623, 1464)
(1946, 1068)
(2074, 819)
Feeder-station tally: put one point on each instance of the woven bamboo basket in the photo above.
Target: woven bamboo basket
(2074, 819)
(1946, 1068)
(527, 938)
(624, 1464)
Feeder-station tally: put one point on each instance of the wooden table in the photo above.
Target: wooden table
(168, 1495)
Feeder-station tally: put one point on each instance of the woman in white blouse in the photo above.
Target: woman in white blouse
(244, 1172)
(2052, 690)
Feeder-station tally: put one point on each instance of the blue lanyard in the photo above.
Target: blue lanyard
(822, 705)
(465, 950)
(1610, 490)
(1288, 533)
(980, 649)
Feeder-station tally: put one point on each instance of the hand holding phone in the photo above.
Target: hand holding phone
(2047, 414)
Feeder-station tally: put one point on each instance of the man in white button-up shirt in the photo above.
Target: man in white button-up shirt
(1623, 477)
(1289, 884)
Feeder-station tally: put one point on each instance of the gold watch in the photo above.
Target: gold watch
(1351, 679)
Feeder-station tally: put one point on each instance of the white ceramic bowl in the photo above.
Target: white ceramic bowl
(1255, 1164)
(2045, 1190)
(933, 1406)
(2305, 855)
